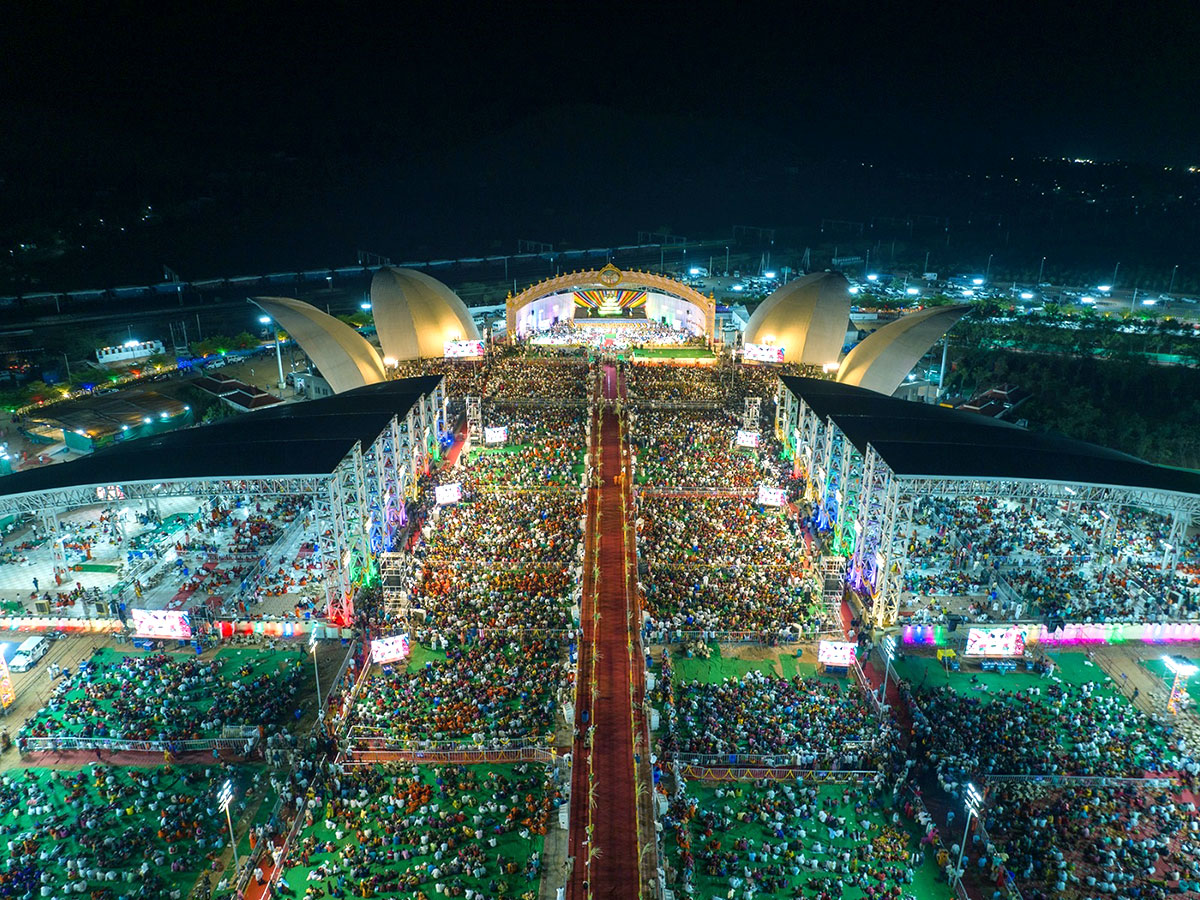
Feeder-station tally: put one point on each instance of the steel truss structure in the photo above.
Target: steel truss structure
(359, 506)
(866, 508)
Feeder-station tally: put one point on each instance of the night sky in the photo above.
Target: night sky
(468, 120)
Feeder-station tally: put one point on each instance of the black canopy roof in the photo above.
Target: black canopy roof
(293, 439)
(928, 440)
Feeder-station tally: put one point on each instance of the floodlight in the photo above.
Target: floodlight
(974, 799)
(693, 271)
(1087, 300)
(912, 292)
(872, 278)
(889, 647)
(1070, 490)
(390, 360)
(968, 293)
(1187, 670)
(738, 287)
(1149, 302)
(225, 797)
(1026, 295)
(768, 274)
(364, 305)
(854, 290)
(830, 367)
(146, 420)
(266, 320)
(1104, 288)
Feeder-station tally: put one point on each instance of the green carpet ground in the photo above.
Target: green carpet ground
(1072, 667)
(232, 663)
(718, 666)
(673, 353)
(924, 885)
(509, 844)
(134, 823)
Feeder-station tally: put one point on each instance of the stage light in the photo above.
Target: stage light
(1187, 670)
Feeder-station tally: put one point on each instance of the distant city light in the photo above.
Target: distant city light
(768, 274)
(365, 305)
(693, 271)
(266, 320)
(912, 292)
(1104, 288)
(872, 278)
(1150, 302)
(977, 281)
(738, 287)
(968, 293)
(1088, 300)
(854, 290)
(131, 343)
(1026, 295)
(146, 420)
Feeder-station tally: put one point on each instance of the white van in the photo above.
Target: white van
(30, 653)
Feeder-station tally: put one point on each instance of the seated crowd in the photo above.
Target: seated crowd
(160, 696)
(447, 831)
(696, 449)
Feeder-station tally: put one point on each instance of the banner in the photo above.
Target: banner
(1004, 641)
(447, 493)
(769, 496)
(161, 623)
(836, 653)
(495, 435)
(7, 695)
(389, 649)
(747, 438)
(462, 349)
(766, 353)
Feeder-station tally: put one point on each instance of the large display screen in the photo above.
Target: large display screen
(447, 493)
(462, 349)
(495, 435)
(389, 649)
(762, 353)
(747, 438)
(769, 496)
(161, 623)
(836, 653)
(1003, 641)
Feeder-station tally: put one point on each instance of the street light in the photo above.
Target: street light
(1171, 286)
(889, 653)
(312, 646)
(225, 799)
(266, 320)
(974, 802)
(1041, 268)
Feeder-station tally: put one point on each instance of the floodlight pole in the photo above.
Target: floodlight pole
(317, 673)
(279, 360)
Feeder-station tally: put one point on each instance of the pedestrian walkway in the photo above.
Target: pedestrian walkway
(604, 822)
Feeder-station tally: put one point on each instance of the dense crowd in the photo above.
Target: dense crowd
(507, 529)
(445, 831)
(168, 697)
(493, 687)
(111, 832)
(715, 532)
(805, 721)
(707, 385)
(454, 599)
(623, 335)
(791, 840)
(761, 599)
(515, 378)
(696, 449)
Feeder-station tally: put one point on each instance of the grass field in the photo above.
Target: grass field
(1074, 668)
(720, 666)
(752, 829)
(673, 353)
(77, 713)
(135, 824)
(434, 802)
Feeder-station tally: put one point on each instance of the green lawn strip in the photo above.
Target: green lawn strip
(925, 884)
(674, 353)
(510, 844)
(717, 668)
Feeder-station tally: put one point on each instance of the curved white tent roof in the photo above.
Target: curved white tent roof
(807, 317)
(343, 355)
(885, 357)
(416, 315)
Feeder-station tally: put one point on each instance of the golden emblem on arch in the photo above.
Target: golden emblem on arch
(610, 276)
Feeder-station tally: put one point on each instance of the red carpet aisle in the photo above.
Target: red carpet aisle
(605, 663)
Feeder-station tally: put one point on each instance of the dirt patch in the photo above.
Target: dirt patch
(761, 653)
